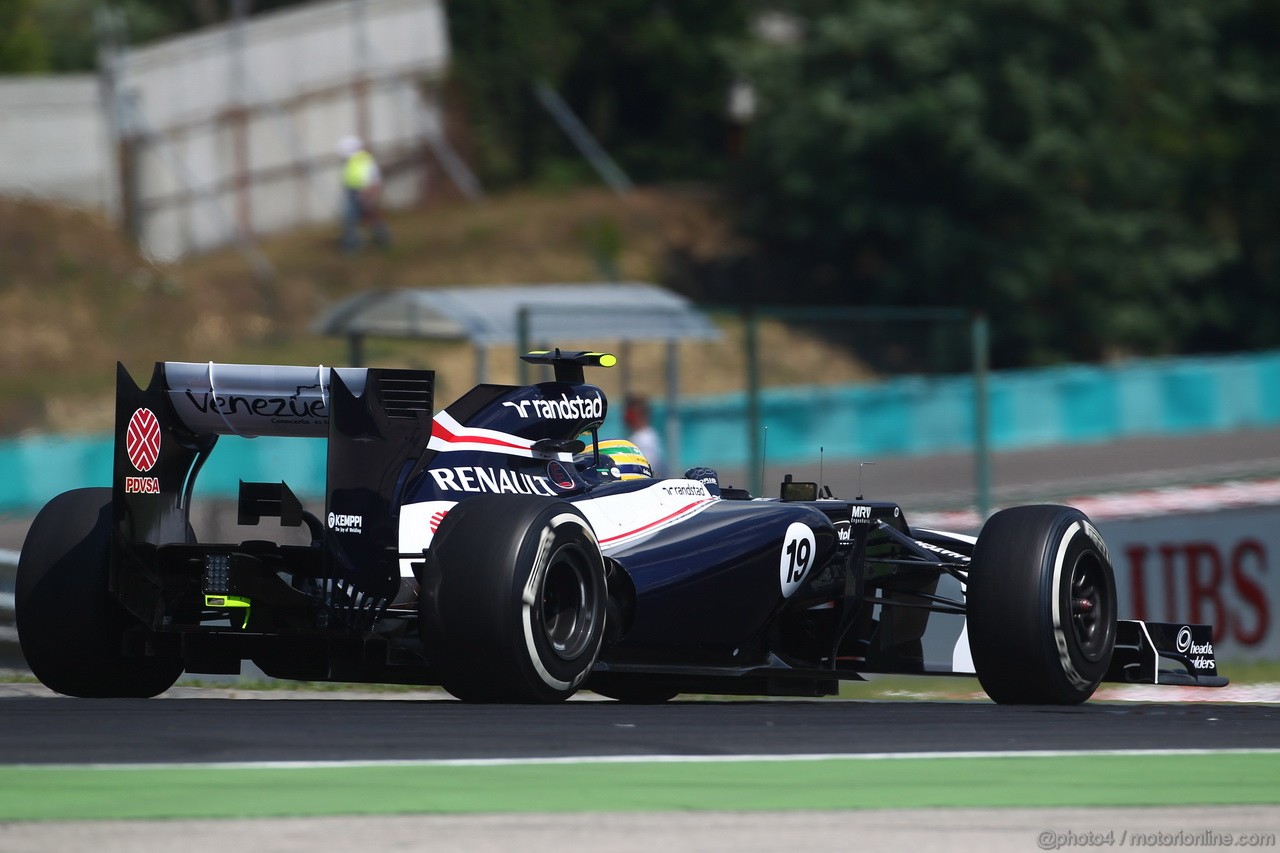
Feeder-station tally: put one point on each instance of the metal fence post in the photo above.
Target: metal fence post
(755, 464)
(522, 343)
(671, 428)
(981, 426)
(587, 146)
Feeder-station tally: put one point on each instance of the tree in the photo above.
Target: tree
(1234, 178)
(499, 48)
(23, 47)
(1022, 157)
(649, 79)
(68, 26)
(643, 75)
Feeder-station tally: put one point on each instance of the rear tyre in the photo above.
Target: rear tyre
(513, 600)
(1041, 606)
(70, 628)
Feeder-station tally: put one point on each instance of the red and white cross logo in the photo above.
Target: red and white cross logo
(142, 440)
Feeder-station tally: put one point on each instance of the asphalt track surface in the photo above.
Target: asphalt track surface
(198, 725)
(189, 725)
(39, 730)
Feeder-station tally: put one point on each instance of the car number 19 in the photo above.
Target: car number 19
(798, 550)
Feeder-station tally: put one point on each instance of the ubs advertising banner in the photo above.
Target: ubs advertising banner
(1220, 567)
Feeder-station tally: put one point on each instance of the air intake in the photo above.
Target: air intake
(405, 398)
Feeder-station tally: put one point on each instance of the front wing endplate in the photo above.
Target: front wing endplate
(1164, 653)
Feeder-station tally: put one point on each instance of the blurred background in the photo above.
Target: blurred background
(1007, 251)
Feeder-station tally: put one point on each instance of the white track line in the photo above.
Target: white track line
(642, 759)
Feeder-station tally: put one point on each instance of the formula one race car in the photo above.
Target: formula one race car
(492, 548)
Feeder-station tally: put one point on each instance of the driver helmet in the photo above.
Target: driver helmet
(625, 457)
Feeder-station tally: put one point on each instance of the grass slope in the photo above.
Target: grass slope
(76, 296)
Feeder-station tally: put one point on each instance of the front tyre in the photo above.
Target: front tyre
(513, 600)
(1041, 606)
(70, 628)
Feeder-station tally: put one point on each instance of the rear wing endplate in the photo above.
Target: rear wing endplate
(377, 423)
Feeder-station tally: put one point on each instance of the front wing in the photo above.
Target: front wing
(1164, 653)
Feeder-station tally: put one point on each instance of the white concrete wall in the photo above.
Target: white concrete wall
(293, 82)
(53, 140)
(294, 51)
(293, 75)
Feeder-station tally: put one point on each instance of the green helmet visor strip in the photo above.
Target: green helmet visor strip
(616, 457)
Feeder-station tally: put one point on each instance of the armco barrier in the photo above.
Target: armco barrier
(39, 467)
(921, 415)
(10, 656)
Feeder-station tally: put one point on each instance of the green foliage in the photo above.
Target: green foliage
(499, 48)
(152, 19)
(68, 26)
(1235, 175)
(642, 75)
(648, 80)
(23, 47)
(1056, 163)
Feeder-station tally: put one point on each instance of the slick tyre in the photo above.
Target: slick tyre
(513, 600)
(1041, 606)
(70, 628)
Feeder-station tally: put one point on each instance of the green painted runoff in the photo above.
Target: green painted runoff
(69, 793)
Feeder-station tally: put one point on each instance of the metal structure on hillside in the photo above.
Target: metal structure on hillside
(526, 317)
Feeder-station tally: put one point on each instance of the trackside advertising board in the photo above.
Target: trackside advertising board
(1220, 567)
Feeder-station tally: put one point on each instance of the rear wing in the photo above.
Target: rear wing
(377, 423)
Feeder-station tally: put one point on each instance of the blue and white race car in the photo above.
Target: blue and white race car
(500, 548)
